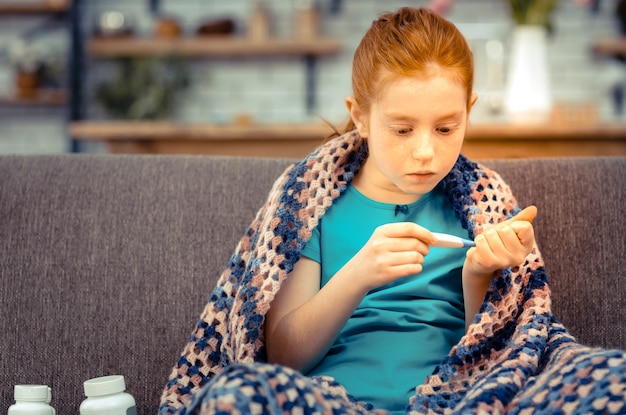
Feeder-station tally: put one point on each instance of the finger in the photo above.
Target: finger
(525, 233)
(504, 247)
(527, 215)
(509, 238)
(483, 253)
(407, 257)
(493, 241)
(405, 244)
(392, 238)
(400, 264)
(407, 229)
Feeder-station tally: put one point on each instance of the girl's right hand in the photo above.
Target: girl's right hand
(393, 251)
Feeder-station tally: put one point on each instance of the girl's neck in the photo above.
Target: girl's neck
(376, 187)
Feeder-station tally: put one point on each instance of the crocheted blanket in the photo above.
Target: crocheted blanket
(515, 358)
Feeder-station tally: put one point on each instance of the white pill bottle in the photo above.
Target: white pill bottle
(31, 400)
(106, 396)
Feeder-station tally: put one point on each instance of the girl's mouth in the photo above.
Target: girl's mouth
(422, 176)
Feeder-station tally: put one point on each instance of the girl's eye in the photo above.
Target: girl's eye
(444, 130)
(403, 131)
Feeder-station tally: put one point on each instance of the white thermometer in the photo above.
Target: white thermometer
(450, 241)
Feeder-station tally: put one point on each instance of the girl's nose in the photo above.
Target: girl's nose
(423, 147)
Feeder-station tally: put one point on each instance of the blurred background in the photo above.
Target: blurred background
(248, 77)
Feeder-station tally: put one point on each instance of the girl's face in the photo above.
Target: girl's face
(414, 130)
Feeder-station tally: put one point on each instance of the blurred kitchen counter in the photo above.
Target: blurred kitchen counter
(497, 139)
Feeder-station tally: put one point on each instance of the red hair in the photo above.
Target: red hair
(404, 43)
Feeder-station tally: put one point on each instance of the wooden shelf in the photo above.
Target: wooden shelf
(497, 140)
(209, 46)
(32, 8)
(504, 140)
(612, 46)
(44, 97)
(278, 140)
(538, 132)
(164, 130)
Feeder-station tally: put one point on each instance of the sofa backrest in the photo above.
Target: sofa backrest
(107, 261)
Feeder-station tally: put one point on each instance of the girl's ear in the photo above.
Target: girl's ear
(358, 117)
(473, 100)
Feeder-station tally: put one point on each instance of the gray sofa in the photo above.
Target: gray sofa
(106, 261)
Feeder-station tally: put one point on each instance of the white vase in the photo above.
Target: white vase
(527, 95)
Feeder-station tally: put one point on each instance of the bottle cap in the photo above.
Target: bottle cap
(31, 393)
(105, 385)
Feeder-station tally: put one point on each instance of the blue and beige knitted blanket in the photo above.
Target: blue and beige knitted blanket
(515, 358)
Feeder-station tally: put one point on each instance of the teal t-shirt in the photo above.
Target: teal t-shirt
(400, 331)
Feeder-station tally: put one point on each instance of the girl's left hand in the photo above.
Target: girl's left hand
(503, 245)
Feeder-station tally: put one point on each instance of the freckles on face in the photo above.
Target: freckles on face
(416, 128)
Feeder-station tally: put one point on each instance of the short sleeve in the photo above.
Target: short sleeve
(312, 249)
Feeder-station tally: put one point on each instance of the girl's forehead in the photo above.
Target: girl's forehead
(425, 98)
(395, 83)
(389, 81)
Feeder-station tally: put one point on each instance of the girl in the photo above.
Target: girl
(337, 299)
(368, 284)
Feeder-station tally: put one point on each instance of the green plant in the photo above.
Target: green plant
(533, 12)
(144, 88)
